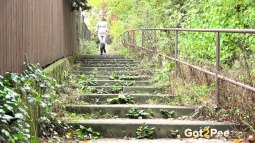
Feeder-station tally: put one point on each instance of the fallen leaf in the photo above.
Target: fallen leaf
(203, 98)
(239, 141)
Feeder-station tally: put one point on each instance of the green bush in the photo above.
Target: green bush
(88, 47)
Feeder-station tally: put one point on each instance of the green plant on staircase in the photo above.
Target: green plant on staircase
(166, 113)
(134, 113)
(115, 89)
(174, 133)
(99, 91)
(83, 133)
(145, 132)
(122, 83)
(113, 76)
(86, 90)
(129, 77)
(94, 72)
(85, 81)
(121, 99)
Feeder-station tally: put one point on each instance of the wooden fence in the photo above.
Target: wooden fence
(43, 30)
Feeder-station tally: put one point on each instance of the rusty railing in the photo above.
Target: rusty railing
(128, 39)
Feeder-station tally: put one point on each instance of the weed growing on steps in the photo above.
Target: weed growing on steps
(115, 89)
(145, 132)
(166, 113)
(134, 113)
(114, 76)
(164, 100)
(88, 116)
(82, 134)
(87, 81)
(121, 99)
(174, 134)
(123, 83)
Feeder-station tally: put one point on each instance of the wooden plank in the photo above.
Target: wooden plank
(43, 30)
(8, 33)
(1, 36)
(5, 36)
(14, 46)
(19, 43)
(25, 31)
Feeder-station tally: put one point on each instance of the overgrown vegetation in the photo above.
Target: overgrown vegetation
(135, 113)
(28, 100)
(174, 134)
(83, 134)
(88, 47)
(30, 107)
(166, 113)
(121, 99)
(145, 132)
(237, 50)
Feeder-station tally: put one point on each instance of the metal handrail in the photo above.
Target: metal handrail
(217, 31)
(200, 30)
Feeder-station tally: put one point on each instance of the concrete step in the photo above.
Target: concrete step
(119, 128)
(122, 82)
(121, 110)
(101, 57)
(162, 140)
(107, 73)
(108, 65)
(106, 69)
(102, 77)
(138, 98)
(105, 62)
(124, 89)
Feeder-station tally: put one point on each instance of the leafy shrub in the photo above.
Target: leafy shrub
(166, 113)
(145, 132)
(89, 47)
(134, 113)
(83, 133)
(28, 100)
(121, 99)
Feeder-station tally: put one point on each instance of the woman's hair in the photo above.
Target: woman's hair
(102, 18)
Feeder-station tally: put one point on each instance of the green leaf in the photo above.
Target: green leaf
(47, 96)
(8, 107)
(6, 133)
(34, 139)
(38, 99)
(19, 116)
(42, 104)
(19, 136)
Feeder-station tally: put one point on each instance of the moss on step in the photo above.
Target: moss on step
(59, 69)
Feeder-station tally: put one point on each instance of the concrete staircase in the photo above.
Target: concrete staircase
(128, 78)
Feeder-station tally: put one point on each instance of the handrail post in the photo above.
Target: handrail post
(217, 92)
(176, 52)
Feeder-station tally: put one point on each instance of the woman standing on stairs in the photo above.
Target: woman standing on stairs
(101, 28)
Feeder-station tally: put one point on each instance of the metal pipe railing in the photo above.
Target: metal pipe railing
(202, 30)
(217, 52)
